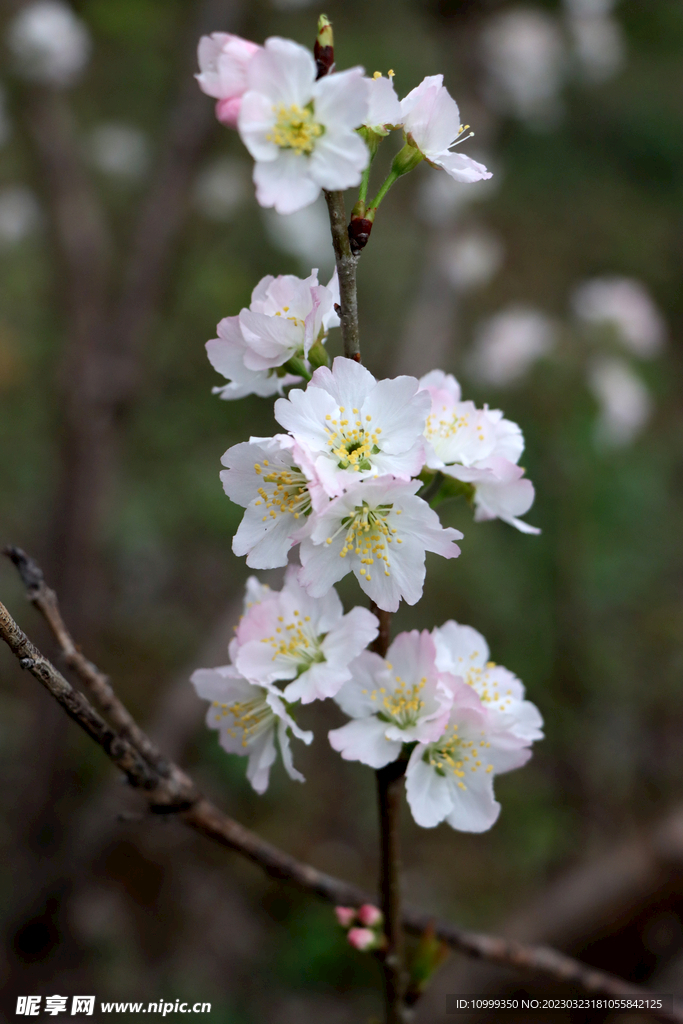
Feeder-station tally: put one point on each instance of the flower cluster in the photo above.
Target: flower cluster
(341, 484)
(463, 718)
(363, 926)
(348, 479)
(307, 133)
(284, 638)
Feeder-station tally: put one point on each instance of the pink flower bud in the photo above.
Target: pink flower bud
(228, 110)
(362, 938)
(370, 916)
(345, 916)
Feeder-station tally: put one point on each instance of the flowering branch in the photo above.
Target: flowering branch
(346, 271)
(164, 795)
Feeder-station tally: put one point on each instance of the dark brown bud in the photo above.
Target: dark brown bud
(359, 233)
(323, 51)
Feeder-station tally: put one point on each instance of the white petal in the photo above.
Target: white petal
(341, 99)
(459, 648)
(286, 752)
(355, 697)
(338, 160)
(262, 754)
(255, 123)
(284, 183)
(284, 72)
(400, 410)
(363, 740)
(266, 543)
(428, 794)
(461, 167)
(475, 808)
(353, 634)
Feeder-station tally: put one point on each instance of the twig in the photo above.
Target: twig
(390, 793)
(164, 796)
(45, 600)
(346, 272)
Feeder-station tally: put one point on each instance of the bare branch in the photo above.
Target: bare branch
(346, 272)
(164, 795)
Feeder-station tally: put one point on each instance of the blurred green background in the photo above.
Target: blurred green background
(577, 109)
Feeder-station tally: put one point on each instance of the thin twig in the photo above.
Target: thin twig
(164, 796)
(346, 272)
(390, 793)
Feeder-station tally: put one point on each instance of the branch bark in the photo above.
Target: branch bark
(346, 272)
(176, 794)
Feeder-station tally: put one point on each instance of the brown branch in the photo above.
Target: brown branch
(389, 794)
(164, 795)
(346, 272)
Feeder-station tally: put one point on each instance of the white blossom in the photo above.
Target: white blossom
(301, 132)
(288, 635)
(49, 43)
(451, 778)
(509, 343)
(478, 447)
(463, 652)
(626, 305)
(431, 122)
(355, 426)
(399, 699)
(380, 531)
(286, 317)
(248, 718)
(274, 480)
(624, 400)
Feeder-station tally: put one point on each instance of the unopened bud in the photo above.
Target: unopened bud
(364, 939)
(345, 916)
(318, 357)
(370, 916)
(359, 233)
(323, 51)
(406, 159)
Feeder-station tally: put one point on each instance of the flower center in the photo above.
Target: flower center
(287, 490)
(487, 688)
(296, 641)
(295, 129)
(453, 755)
(250, 717)
(367, 535)
(351, 442)
(404, 705)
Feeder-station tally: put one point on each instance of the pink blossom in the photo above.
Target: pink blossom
(223, 60)
(369, 916)
(345, 915)
(363, 939)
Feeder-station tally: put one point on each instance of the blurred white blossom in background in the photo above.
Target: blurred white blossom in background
(305, 234)
(471, 259)
(625, 403)
(598, 39)
(20, 214)
(121, 150)
(49, 43)
(627, 306)
(524, 61)
(221, 188)
(509, 343)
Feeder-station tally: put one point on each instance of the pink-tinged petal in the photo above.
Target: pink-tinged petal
(258, 662)
(355, 697)
(505, 757)
(461, 168)
(228, 111)
(341, 99)
(417, 105)
(271, 340)
(475, 808)
(401, 411)
(404, 466)
(338, 160)
(317, 683)
(509, 438)
(438, 381)
(345, 916)
(442, 127)
(429, 794)
(284, 72)
(362, 939)
(223, 59)
(283, 183)
(255, 124)
(370, 916)
(363, 740)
